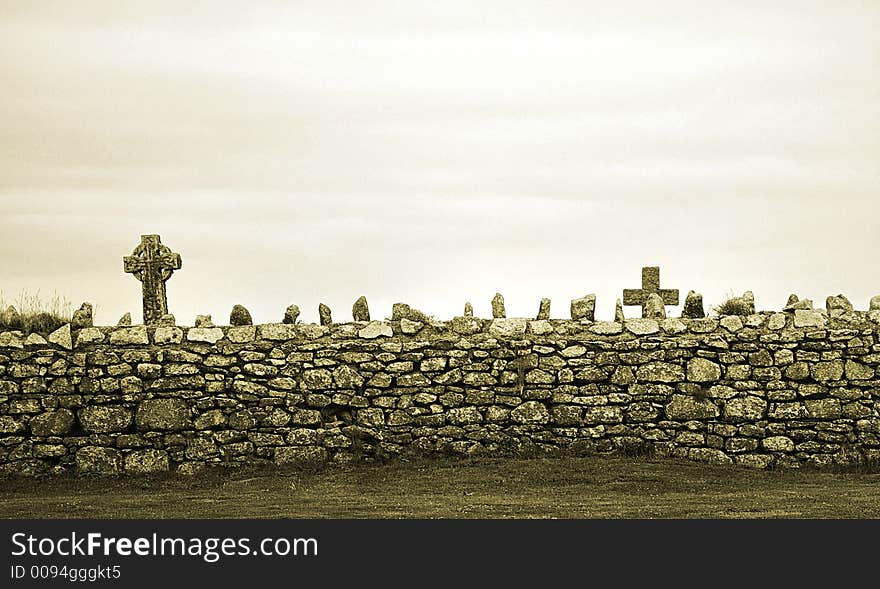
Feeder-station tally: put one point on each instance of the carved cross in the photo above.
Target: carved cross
(152, 263)
(650, 284)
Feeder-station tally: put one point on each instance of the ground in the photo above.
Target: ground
(591, 487)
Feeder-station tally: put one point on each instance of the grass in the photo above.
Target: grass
(734, 305)
(35, 315)
(570, 487)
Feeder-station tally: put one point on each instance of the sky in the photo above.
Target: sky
(438, 152)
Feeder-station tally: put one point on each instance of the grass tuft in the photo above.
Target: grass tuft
(34, 314)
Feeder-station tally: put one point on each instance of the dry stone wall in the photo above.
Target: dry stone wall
(764, 390)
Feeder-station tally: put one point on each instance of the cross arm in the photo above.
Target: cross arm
(633, 296)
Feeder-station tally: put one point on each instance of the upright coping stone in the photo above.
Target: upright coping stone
(650, 285)
(153, 264)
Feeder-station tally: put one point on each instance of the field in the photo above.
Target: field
(592, 487)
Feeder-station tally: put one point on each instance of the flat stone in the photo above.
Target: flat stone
(410, 327)
(703, 370)
(778, 444)
(90, 335)
(642, 326)
(291, 314)
(660, 372)
(147, 461)
(749, 408)
(240, 316)
(300, 455)
(805, 318)
(673, 326)
(584, 308)
(242, 334)
(62, 337)
(530, 412)
(776, 321)
(123, 336)
(685, 408)
(163, 414)
(827, 371)
(11, 339)
(98, 460)
(856, 371)
(168, 335)
(540, 327)
(276, 331)
(375, 329)
(508, 327)
(706, 325)
(360, 311)
(606, 328)
(210, 335)
(52, 423)
(168, 320)
(102, 419)
(466, 325)
(35, 339)
(311, 331)
(731, 322)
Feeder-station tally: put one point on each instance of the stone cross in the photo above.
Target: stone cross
(152, 263)
(650, 285)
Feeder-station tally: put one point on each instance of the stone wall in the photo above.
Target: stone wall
(769, 389)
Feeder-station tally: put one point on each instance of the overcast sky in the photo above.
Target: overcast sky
(438, 152)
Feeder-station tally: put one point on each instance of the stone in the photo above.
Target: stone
(732, 323)
(11, 339)
(642, 326)
(749, 408)
(401, 311)
(276, 331)
(709, 456)
(823, 408)
(203, 321)
(792, 299)
(102, 419)
(544, 309)
(749, 300)
(466, 325)
(360, 311)
(805, 318)
(874, 304)
(147, 461)
(703, 370)
(660, 372)
(152, 264)
(838, 305)
(468, 310)
(654, 307)
(673, 326)
(300, 455)
(799, 305)
(291, 314)
(827, 371)
(124, 321)
(410, 327)
(530, 412)
(166, 320)
(584, 308)
(375, 329)
(650, 285)
(498, 311)
(89, 335)
(10, 318)
(210, 420)
(167, 335)
(324, 315)
(347, 377)
(856, 371)
(82, 317)
(35, 339)
(618, 312)
(778, 444)
(163, 414)
(52, 423)
(210, 335)
(98, 460)
(62, 337)
(311, 331)
(240, 316)
(606, 328)
(540, 327)
(693, 306)
(685, 408)
(508, 327)
(776, 321)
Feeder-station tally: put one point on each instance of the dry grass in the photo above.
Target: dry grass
(35, 315)
(591, 487)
